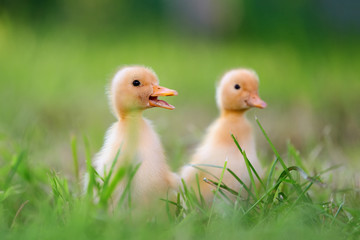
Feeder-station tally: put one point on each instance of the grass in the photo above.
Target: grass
(288, 205)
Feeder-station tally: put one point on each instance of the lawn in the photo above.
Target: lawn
(52, 97)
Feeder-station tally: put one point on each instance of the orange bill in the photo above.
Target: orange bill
(255, 101)
(159, 91)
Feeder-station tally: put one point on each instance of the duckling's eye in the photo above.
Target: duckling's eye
(136, 83)
(237, 86)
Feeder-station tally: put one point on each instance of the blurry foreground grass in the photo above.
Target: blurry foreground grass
(289, 202)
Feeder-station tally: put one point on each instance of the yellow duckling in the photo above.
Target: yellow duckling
(132, 90)
(236, 93)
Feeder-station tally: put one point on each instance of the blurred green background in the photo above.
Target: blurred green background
(57, 57)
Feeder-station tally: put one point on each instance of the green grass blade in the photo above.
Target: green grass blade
(170, 202)
(18, 213)
(205, 171)
(167, 206)
(295, 154)
(222, 185)
(127, 190)
(75, 158)
(272, 146)
(271, 173)
(179, 208)
(119, 175)
(271, 192)
(217, 189)
(11, 190)
(89, 168)
(202, 200)
(228, 200)
(186, 195)
(14, 168)
(250, 193)
(54, 187)
(301, 196)
(282, 178)
(107, 177)
(338, 211)
(242, 184)
(249, 165)
(297, 187)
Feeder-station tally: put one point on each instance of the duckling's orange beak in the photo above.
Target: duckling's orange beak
(255, 101)
(159, 91)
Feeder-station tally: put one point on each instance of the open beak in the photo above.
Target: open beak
(255, 101)
(159, 91)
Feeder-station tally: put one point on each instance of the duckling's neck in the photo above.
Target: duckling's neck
(225, 113)
(133, 116)
(131, 124)
(231, 122)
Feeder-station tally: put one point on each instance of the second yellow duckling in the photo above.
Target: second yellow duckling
(236, 93)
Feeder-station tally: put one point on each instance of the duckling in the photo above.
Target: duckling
(236, 93)
(133, 90)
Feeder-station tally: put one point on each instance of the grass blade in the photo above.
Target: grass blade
(127, 189)
(300, 196)
(89, 168)
(217, 189)
(205, 171)
(119, 175)
(282, 178)
(297, 187)
(107, 177)
(17, 213)
(202, 200)
(222, 185)
(75, 158)
(292, 150)
(242, 184)
(14, 168)
(186, 195)
(248, 165)
(271, 173)
(263, 196)
(229, 170)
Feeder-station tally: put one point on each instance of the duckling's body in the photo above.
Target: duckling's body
(134, 138)
(153, 178)
(218, 145)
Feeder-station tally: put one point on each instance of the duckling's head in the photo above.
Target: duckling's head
(238, 91)
(137, 88)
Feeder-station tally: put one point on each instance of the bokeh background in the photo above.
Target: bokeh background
(57, 57)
